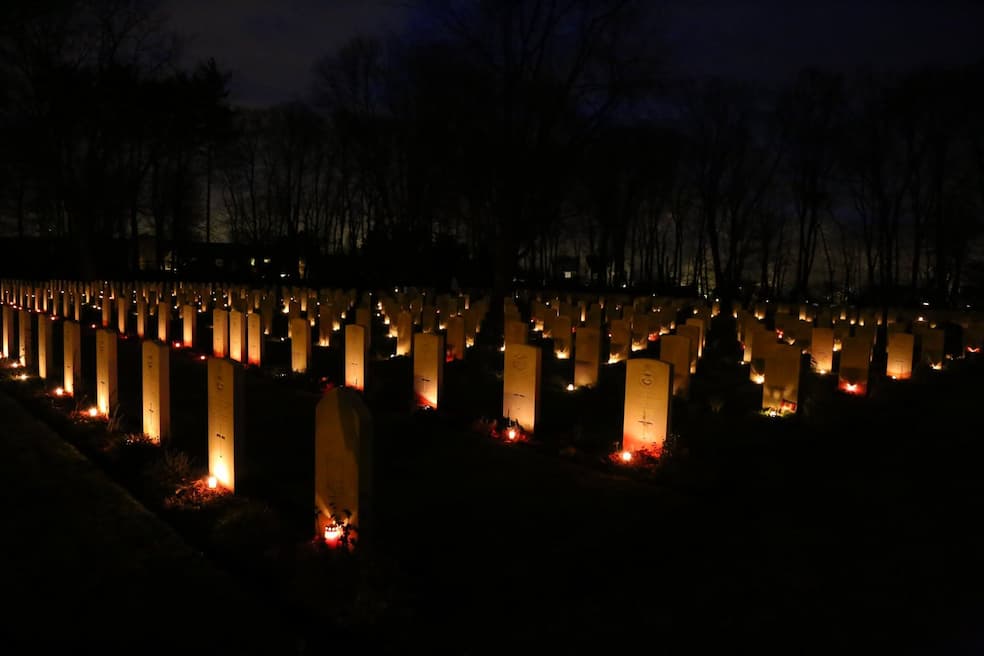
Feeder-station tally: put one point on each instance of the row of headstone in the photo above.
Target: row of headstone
(342, 436)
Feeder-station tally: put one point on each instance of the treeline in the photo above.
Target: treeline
(499, 138)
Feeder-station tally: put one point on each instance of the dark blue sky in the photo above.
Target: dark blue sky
(271, 45)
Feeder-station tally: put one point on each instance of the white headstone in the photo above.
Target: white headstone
(694, 333)
(456, 340)
(156, 368)
(220, 333)
(141, 317)
(8, 332)
(26, 337)
(620, 341)
(646, 417)
(521, 385)
(780, 389)
(404, 333)
(237, 336)
(122, 308)
(428, 369)
(587, 356)
(45, 349)
(189, 325)
(72, 356)
(325, 325)
(562, 337)
(855, 358)
(254, 339)
(900, 350)
(822, 350)
(225, 423)
(106, 371)
(355, 356)
(300, 345)
(342, 462)
(675, 350)
(701, 326)
(164, 320)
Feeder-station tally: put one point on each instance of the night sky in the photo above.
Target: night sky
(270, 46)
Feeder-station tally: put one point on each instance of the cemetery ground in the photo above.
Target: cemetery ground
(853, 523)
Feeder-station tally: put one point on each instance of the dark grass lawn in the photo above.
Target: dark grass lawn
(87, 569)
(853, 525)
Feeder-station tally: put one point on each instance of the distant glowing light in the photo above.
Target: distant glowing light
(570, 387)
(937, 366)
(203, 357)
(511, 434)
(59, 391)
(758, 379)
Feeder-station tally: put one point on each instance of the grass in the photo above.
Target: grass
(851, 524)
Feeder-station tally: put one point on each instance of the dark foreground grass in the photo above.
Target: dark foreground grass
(854, 525)
(87, 569)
